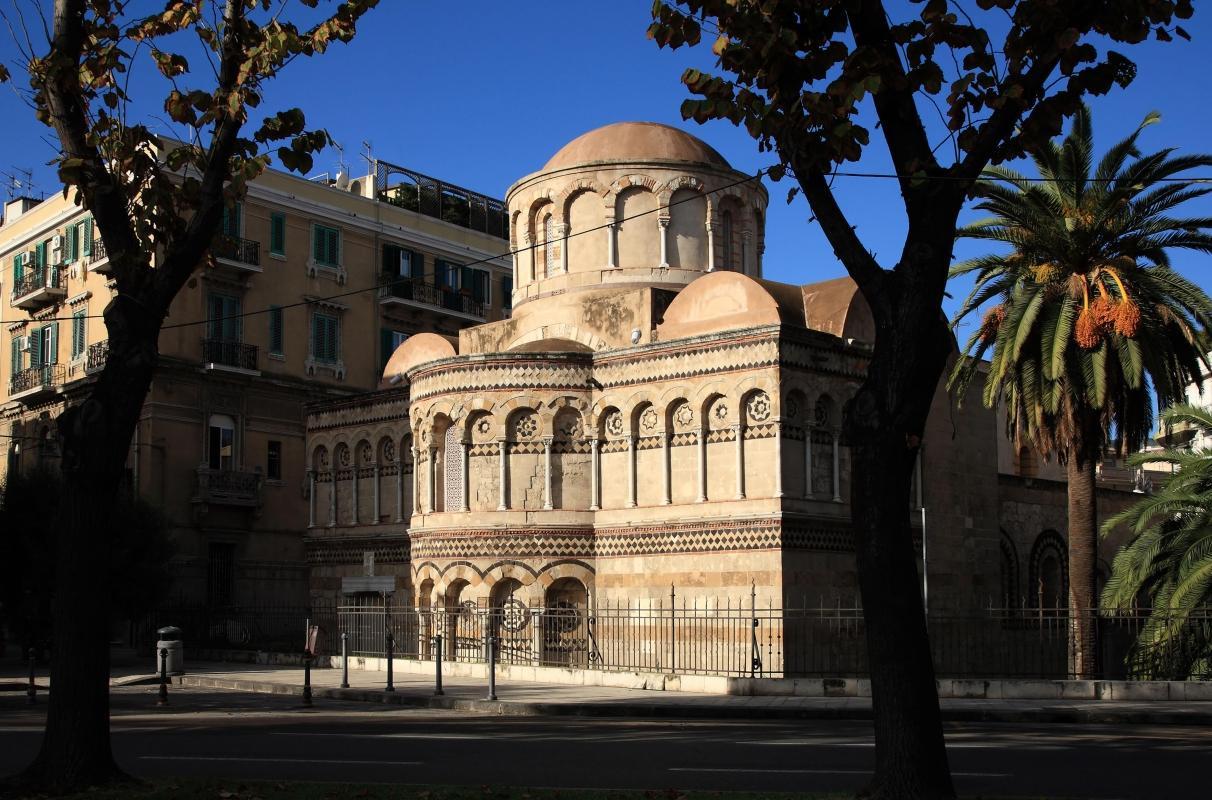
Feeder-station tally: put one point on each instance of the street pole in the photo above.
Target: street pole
(437, 661)
(307, 680)
(344, 660)
(390, 657)
(492, 667)
(31, 694)
(162, 700)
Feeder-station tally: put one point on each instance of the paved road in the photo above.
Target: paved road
(237, 735)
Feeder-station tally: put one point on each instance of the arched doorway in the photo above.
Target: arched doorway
(566, 635)
(511, 623)
(463, 630)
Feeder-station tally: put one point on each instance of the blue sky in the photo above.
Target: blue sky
(481, 93)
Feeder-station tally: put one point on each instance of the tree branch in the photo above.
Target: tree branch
(994, 132)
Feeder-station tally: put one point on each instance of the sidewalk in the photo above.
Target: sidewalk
(545, 699)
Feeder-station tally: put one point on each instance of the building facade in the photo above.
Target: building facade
(654, 415)
(309, 289)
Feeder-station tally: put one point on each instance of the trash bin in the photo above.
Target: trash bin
(170, 640)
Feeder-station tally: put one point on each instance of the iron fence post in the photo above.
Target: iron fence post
(162, 700)
(31, 694)
(492, 667)
(307, 681)
(437, 661)
(344, 660)
(390, 656)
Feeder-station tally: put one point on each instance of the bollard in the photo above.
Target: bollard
(492, 668)
(31, 694)
(344, 660)
(437, 661)
(390, 654)
(307, 681)
(162, 700)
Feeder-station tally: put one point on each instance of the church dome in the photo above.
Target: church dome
(635, 142)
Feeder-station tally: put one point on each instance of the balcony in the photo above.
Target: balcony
(98, 259)
(415, 292)
(241, 254)
(222, 354)
(227, 487)
(35, 383)
(412, 190)
(39, 287)
(95, 356)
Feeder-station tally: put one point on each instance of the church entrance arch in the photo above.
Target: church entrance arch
(566, 639)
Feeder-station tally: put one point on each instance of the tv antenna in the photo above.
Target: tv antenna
(18, 183)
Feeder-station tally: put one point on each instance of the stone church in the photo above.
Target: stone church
(653, 415)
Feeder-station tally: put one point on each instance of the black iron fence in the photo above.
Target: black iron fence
(419, 291)
(229, 353)
(34, 279)
(95, 357)
(43, 376)
(98, 252)
(233, 248)
(729, 640)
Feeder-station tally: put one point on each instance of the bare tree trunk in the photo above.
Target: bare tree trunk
(883, 427)
(1083, 561)
(95, 439)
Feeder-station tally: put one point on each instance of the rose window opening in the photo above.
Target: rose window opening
(614, 423)
(514, 615)
(527, 426)
(389, 451)
(758, 407)
(648, 420)
(683, 417)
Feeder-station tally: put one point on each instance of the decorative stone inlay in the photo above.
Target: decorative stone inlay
(365, 454)
(570, 428)
(389, 451)
(614, 423)
(791, 409)
(514, 615)
(683, 416)
(649, 420)
(821, 412)
(527, 425)
(757, 409)
(343, 456)
(720, 410)
(484, 426)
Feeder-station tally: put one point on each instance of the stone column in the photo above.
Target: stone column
(528, 254)
(837, 474)
(612, 260)
(400, 488)
(667, 467)
(663, 225)
(464, 455)
(740, 461)
(353, 513)
(595, 475)
(746, 249)
(332, 499)
(433, 480)
(807, 462)
(778, 459)
(710, 245)
(417, 508)
(503, 457)
(378, 505)
(703, 432)
(631, 471)
(547, 469)
(311, 497)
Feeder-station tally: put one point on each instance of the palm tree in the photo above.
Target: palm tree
(1090, 317)
(1168, 560)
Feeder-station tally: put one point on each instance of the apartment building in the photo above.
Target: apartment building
(306, 293)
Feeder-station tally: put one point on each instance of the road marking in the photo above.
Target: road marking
(950, 745)
(823, 771)
(452, 736)
(283, 760)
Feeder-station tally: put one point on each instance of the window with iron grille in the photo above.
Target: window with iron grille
(273, 460)
(220, 573)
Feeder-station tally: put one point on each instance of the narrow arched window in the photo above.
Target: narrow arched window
(726, 235)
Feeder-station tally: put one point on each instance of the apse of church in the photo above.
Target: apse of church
(654, 414)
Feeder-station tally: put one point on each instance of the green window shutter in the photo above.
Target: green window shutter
(277, 234)
(385, 340)
(317, 248)
(35, 347)
(69, 238)
(416, 264)
(52, 343)
(40, 257)
(334, 247)
(88, 236)
(18, 267)
(275, 330)
(78, 334)
(16, 348)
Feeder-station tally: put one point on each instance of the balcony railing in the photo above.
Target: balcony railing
(229, 354)
(228, 487)
(35, 380)
(38, 286)
(414, 191)
(95, 356)
(233, 248)
(98, 257)
(417, 291)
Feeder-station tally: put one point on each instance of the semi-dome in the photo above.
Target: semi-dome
(635, 142)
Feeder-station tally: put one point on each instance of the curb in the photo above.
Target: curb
(1059, 715)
